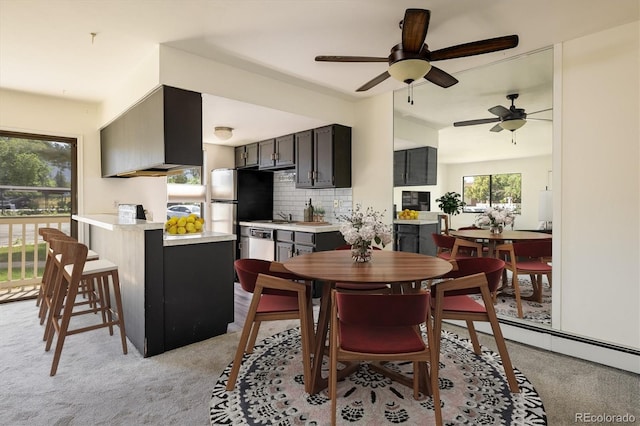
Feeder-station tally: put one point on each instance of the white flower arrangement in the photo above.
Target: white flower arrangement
(365, 227)
(495, 216)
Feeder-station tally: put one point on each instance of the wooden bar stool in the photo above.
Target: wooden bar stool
(72, 270)
(49, 272)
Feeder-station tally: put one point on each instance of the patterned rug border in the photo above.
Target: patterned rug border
(263, 395)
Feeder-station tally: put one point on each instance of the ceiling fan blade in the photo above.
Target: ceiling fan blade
(496, 128)
(475, 48)
(440, 78)
(350, 59)
(539, 119)
(474, 122)
(542, 110)
(414, 29)
(374, 82)
(500, 111)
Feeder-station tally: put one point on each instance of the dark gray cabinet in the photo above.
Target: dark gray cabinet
(323, 157)
(415, 238)
(416, 166)
(246, 156)
(198, 292)
(277, 153)
(161, 132)
(295, 243)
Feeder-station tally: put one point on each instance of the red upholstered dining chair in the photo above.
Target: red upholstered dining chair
(485, 248)
(371, 288)
(449, 247)
(527, 258)
(451, 300)
(276, 296)
(382, 327)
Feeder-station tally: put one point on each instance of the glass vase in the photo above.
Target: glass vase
(496, 229)
(361, 252)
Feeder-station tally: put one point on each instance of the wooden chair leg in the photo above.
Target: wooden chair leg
(118, 299)
(500, 343)
(62, 327)
(473, 335)
(549, 280)
(434, 366)
(244, 338)
(253, 337)
(516, 292)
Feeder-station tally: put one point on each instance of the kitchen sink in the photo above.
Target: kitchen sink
(276, 221)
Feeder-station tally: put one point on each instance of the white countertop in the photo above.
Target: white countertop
(414, 222)
(114, 222)
(294, 226)
(197, 238)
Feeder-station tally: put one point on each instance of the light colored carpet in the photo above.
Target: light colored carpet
(97, 385)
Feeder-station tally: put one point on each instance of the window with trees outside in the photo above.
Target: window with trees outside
(37, 174)
(499, 190)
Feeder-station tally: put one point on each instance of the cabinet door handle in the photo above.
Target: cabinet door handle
(276, 156)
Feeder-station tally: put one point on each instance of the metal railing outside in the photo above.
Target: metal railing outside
(20, 239)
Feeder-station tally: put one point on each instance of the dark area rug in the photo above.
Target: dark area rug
(473, 390)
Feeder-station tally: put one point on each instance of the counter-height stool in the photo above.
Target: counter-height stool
(72, 269)
(49, 273)
(47, 234)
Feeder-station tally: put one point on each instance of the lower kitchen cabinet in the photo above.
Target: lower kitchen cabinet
(297, 243)
(415, 238)
(198, 292)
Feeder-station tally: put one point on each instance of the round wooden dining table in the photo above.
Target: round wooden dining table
(494, 239)
(388, 267)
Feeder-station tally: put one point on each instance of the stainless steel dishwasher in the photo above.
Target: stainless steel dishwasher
(262, 244)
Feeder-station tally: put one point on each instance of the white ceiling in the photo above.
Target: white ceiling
(46, 47)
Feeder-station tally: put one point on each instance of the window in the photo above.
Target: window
(482, 191)
(37, 175)
(185, 193)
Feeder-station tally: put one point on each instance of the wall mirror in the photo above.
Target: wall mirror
(473, 150)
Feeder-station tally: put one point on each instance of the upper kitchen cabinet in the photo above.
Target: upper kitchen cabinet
(417, 166)
(246, 156)
(323, 157)
(277, 153)
(162, 132)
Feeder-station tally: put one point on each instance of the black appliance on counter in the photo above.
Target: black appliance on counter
(416, 200)
(239, 195)
(131, 211)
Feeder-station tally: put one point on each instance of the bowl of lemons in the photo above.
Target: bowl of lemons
(407, 214)
(191, 224)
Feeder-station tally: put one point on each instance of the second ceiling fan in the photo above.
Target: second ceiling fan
(511, 118)
(411, 59)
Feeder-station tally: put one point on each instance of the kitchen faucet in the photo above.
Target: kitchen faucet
(284, 216)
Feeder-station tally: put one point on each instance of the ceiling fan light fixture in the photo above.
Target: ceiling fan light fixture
(513, 124)
(223, 133)
(409, 70)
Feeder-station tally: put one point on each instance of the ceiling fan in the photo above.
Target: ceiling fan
(411, 60)
(511, 118)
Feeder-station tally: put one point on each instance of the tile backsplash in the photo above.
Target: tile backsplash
(291, 201)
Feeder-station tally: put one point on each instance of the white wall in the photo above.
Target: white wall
(372, 154)
(600, 187)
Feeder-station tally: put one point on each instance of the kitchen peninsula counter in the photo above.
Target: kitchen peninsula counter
(176, 290)
(312, 227)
